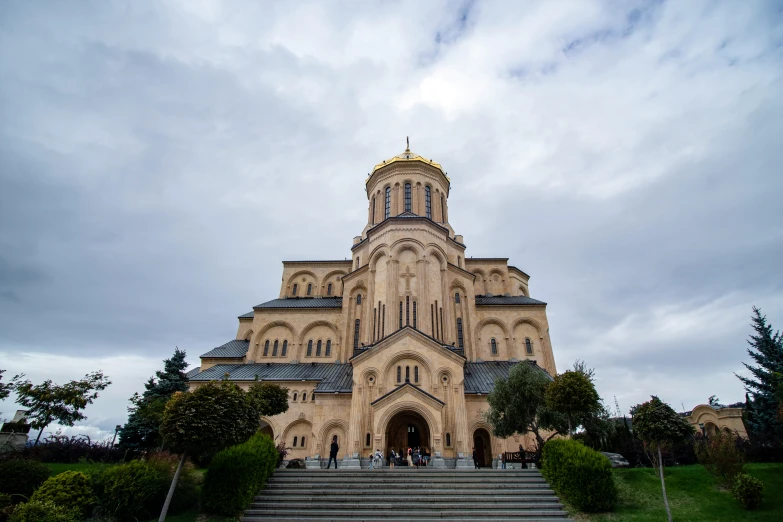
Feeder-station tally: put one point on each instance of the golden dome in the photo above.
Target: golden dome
(408, 156)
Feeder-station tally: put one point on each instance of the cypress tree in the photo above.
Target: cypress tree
(766, 350)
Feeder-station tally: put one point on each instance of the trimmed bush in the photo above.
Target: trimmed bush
(721, 455)
(37, 511)
(748, 490)
(21, 478)
(236, 474)
(580, 474)
(136, 490)
(69, 489)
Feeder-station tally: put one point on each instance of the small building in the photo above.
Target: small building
(709, 420)
(13, 434)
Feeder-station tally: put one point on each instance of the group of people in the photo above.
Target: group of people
(414, 457)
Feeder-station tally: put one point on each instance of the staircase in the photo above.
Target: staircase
(406, 494)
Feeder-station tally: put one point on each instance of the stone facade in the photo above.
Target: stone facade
(709, 420)
(398, 345)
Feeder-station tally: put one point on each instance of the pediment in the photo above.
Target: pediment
(423, 340)
(407, 391)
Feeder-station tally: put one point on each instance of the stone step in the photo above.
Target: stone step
(443, 472)
(423, 505)
(394, 481)
(405, 514)
(336, 518)
(440, 496)
(325, 486)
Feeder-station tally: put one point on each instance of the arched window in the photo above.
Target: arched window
(407, 374)
(387, 211)
(295, 396)
(442, 209)
(528, 346)
(328, 348)
(399, 374)
(318, 349)
(309, 288)
(448, 440)
(367, 440)
(460, 339)
(266, 348)
(359, 299)
(407, 310)
(416, 374)
(284, 352)
(414, 314)
(400, 314)
(296, 439)
(407, 197)
(459, 261)
(428, 201)
(329, 289)
(358, 263)
(312, 398)
(296, 287)
(274, 349)
(356, 334)
(304, 399)
(310, 348)
(456, 298)
(372, 216)
(494, 344)
(302, 443)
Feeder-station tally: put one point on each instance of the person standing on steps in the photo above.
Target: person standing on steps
(475, 462)
(392, 458)
(333, 453)
(410, 457)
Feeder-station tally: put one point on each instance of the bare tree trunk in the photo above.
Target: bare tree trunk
(39, 436)
(174, 486)
(663, 485)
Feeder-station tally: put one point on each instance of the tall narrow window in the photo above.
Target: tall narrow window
(407, 374)
(367, 440)
(296, 439)
(407, 310)
(359, 299)
(309, 288)
(528, 346)
(442, 209)
(310, 348)
(414, 315)
(399, 374)
(416, 374)
(374, 322)
(302, 443)
(428, 201)
(357, 261)
(295, 396)
(459, 261)
(284, 351)
(387, 211)
(432, 320)
(442, 331)
(318, 349)
(448, 440)
(460, 343)
(296, 287)
(329, 289)
(379, 319)
(372, 217)
(328, 348)
(274, 349)
(304, 398)
(266, 348)
(383, 322)
(437, 332)
(400, 314)
(407, 197)
(494, 345)
(356, 334)
(456, 298)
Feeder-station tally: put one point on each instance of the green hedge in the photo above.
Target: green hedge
(44, 511)
(20, 478)
(236, 474)
(580, 474)
(70, 489)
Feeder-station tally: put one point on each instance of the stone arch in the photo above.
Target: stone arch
(272, 424)
(326, 279)
(382, 423)
(324, 442)
(313, 324)
(406, 354)
(260, 335)
(455, 284)
(492, 320)
(535, 324)
(417, 247)
(523, 290)
(290, 281)
(503, 281)
(248, 335)
(294, 424)
(438, 253)
(377, 253)
(480, 281)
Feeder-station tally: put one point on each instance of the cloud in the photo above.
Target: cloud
(159, 160)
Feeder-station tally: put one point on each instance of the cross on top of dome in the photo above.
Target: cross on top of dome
(408, 156)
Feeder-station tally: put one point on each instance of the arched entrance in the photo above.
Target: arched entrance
(407, 429)
(483, 447)
(266, 429)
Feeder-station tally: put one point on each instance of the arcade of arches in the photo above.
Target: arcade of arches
(398, 344)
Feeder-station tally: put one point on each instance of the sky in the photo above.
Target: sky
(158, 161)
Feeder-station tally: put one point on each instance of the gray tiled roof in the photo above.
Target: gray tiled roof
(332, 377)
(247, 315)
(194, 371)
(303, 302)
(500, 300)
(480, 376)
(233, 348)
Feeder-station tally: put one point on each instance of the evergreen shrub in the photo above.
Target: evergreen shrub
(721, 455)
(748, 490)
(70, 489)
(236, 474)
(47, 511)
(20, 478)
(580, 474)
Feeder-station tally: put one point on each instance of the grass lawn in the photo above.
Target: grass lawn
(693, 496)
(87, 468)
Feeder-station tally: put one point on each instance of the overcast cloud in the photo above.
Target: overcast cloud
(159, 159)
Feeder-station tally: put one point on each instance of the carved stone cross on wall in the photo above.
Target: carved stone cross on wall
(408, 276)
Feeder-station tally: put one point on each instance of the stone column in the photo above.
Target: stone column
(462, 437)
(371, 300)
(351, 460)
(447, 333)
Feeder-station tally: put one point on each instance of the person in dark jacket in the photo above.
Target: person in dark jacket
(333, 453)
(475, 462)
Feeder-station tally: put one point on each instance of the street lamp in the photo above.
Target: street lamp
(116, 429)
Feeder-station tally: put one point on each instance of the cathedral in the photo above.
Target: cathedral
(399, 345)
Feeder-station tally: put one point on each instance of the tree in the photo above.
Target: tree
(48, 402)
(658, 425)
(573, 394)
(215, 416)
(517, 405)
(713, 400)
(142, 430)
(7, 388)
(766, 350)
